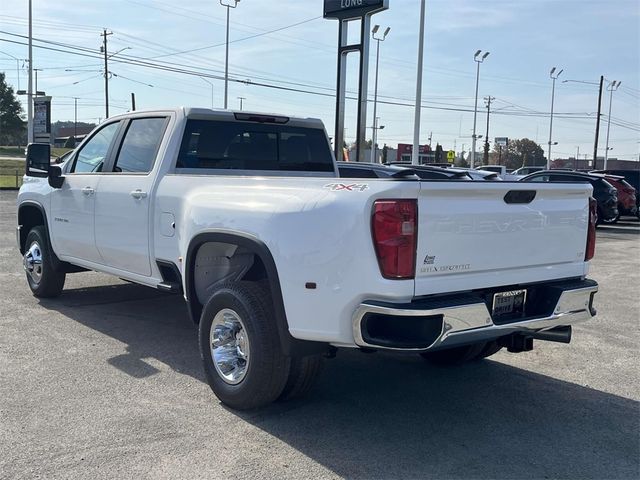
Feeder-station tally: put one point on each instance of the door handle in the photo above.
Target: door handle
(88, 191)
(138, 194)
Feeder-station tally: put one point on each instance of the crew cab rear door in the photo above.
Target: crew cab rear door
(124, 196)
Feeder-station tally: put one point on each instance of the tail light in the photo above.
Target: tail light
(591, 231)
(395, 232)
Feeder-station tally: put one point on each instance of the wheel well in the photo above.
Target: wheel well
(216, 257)
(218, 262)
(29, 216)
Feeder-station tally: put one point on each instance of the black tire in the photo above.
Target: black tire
(454, 356)
(489, 349)
(613, 220)
(43, 279)
(302, 377)
(267, 369)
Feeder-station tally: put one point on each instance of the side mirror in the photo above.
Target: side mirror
(38, 160)
(55, 176)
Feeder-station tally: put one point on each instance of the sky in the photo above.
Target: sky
(288, 48)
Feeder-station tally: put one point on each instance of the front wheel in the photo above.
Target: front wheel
(240, 347)
(44, 280)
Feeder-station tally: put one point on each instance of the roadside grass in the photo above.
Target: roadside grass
(19, 151)
(10, 180)
(9, 167)
(12, 152)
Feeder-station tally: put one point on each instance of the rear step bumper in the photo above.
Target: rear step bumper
(447, 321)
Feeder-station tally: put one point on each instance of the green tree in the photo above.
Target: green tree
(519, 153)
(70, 143)
(12, 127)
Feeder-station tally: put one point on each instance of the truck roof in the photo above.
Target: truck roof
(230, 115)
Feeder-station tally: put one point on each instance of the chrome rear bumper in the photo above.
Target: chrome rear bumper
(463, 323)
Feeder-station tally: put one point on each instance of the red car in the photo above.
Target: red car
(626, 197)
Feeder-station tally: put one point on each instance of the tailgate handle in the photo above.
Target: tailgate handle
(520, 196)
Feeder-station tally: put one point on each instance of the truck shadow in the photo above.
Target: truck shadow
(385, 416)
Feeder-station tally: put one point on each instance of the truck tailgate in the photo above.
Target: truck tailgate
(480, 235)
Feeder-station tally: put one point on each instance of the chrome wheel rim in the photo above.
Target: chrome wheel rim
(32, 262)
(230, 347)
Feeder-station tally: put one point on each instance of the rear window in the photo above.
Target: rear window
(210, 144)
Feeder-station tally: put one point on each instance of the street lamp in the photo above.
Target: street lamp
(612, 87)
(204, 79)
(229, 6)
(375, 94)
(17, 65)
(554, 76)
(478, 57)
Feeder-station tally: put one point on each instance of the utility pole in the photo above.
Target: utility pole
(575, 166)
(415, 153)
(595, 143)
(430, 136)
(485, 160)
(133, 102)
(105, 34)
(241, 99)
(612, 87)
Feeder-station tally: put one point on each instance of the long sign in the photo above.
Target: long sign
(343, 9)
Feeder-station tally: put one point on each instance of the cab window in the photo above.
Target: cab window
(140, 145)
(92, 155)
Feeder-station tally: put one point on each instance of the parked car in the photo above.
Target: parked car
(627, 196)
(431, 172)
(372, 170)
(486, 175)
(524, 171)
(632, 177)
(605, 194)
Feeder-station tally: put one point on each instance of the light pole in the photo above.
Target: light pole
(17, 65)
(375, 128)
(241, 100)
(375, 92)
(612, 87)
(233, 4)
(553, 92)
(75, 119)
(478, 57)
(204, 79)
(415, 153)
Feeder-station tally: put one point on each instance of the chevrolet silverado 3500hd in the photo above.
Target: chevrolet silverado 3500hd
(281, 261)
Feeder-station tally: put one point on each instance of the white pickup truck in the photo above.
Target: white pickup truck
(281, 261)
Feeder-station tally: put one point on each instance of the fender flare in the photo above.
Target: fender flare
(290, 345)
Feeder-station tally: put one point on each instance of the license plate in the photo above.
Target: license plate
(508, 303)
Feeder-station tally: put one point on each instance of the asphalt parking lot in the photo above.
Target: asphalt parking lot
(106, 382)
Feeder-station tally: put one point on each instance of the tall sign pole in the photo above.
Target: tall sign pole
(345, 12)
(30, 87)
(415, 152)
